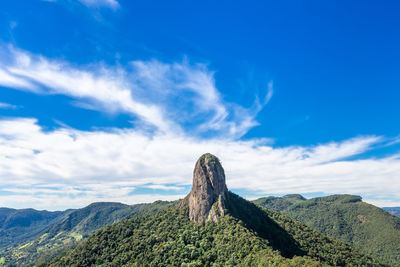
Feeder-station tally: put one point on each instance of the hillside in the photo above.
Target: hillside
(245, 235)
(19, 225)
(71, 229)
(347, 218)
(211, 227)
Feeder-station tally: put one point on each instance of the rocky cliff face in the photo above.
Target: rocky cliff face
(206, 200)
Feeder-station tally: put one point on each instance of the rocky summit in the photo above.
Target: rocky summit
(208, 194)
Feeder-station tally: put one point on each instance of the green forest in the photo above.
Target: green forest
(248, 235)
(345, 217)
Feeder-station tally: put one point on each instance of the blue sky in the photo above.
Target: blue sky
(115, 100)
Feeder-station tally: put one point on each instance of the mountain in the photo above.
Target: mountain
(68, 229)
(206, 199)
(211, 227)
(393, 210)
(19, 225)
(345, 217)
(279, 203)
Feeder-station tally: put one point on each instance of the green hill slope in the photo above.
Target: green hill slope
(71, 229)
(346, 217)
(19, 225)
(246, 235)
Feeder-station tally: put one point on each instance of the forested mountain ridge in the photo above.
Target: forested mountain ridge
(65, 232)
(17, 225)
(69, 229)
(345, 217)
(211, 227)
(245, 235)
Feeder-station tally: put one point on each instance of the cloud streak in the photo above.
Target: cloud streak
(171, 97)
(112, 4)
(176, 104)
(7, 106)
(80, 167)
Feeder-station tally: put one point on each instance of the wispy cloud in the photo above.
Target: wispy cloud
(80, 167)
(180, 103)
(63, 202)
(7, 106)
(9, 80)
(113, 4)
(164, 187)
(171, 97)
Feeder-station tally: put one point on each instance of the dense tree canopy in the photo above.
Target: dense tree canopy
(345, 217)
(247, 235)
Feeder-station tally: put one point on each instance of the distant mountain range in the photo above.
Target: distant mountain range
(29, 235)
(393, 210)
(19, 225)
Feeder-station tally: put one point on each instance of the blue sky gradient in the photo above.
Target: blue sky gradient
(293, 96)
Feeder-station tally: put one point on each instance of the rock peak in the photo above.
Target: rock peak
(206, 199)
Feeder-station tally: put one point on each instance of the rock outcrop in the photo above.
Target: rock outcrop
(209, 191)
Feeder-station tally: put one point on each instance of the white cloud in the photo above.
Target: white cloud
(9, 80)
(7, 106)
(383, 202)
(64, 202)
(171, 97)
(164, 187)
(113, 4)
(46, 169)
(78, 167)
